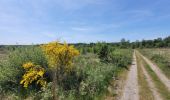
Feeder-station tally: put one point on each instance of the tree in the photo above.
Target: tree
(60, 57)
(124, 43)
(104, 53)
(167, 41)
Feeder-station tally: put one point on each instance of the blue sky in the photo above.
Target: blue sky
(41, 21)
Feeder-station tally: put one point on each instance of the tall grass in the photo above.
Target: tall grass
(88, 80)
(145, 92)
(11, 71)
(159, 85)
(161, 57)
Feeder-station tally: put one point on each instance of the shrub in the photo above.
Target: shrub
(93, 76)
(82, 77)
(33, 73)
(120, 60)
(60, 57)
(104, 53)
(160, 59)
(11, 70)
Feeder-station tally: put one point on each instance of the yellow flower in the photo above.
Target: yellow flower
(60, 54)
(41, 73)
(33, 73)
(42, 82)
(28, 65)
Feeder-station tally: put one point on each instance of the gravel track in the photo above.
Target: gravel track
(158, 72)
(151, 84)
(131, 91)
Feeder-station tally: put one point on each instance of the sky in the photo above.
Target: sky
(73, 21)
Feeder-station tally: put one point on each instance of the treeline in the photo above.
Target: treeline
(156, 43)
(92, 47)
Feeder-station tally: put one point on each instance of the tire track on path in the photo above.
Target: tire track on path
(158, 72)
(131, 91)
(151, 84)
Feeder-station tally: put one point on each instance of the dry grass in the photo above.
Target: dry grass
(161, 57)
(162, 89)
(115, 89)
(3, 55)
(144, 91)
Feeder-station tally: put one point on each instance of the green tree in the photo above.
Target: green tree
(104, 53)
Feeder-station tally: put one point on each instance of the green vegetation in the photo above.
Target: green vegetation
(126, 44)
(89, 74)
(144, 91)
(11, 70)
(161, 57)
(162, 89)
(156, 43)
(88, 79)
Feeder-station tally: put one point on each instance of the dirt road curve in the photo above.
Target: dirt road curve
(159, 73)
(131, 87)
(151, 84)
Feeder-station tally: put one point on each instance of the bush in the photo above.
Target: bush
(122, 58)
(11, 70)
(92, 77)
(97, 80)
(104, 53)
(160, 59)
(87, 80)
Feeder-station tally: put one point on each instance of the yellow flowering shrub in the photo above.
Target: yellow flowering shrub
(60, 54)
(60, 57)
(28, 65)
(33, 73)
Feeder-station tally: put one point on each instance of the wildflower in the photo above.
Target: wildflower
(60, 54)
(27, 65)
(33, 73)
(60, 57)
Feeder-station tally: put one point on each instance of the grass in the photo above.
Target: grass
(162, 89)
(161, 57)
(89, 80)
(3, 55)
(115, 89)
(144, 92)
(165, 70)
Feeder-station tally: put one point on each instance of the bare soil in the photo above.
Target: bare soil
(151, 84)
(131, 91)
(158, 72)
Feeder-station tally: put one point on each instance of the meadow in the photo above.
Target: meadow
(91, 73)
(94, 71)
(161, 57)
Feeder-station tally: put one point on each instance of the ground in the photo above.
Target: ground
(156, 85)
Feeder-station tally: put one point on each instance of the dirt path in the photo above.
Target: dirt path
(131, 87)
(159, 73)
(151, 84)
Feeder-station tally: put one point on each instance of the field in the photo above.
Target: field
(92, 72)
(98, 71)
(161, 57)
(3, 54)
(155, 82)
(84, 49)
